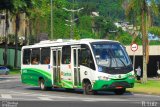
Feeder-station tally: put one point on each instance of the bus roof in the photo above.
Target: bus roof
(59, 42)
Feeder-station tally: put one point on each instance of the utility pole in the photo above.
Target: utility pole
(72, 20)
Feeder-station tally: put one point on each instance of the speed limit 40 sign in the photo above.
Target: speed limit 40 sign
(134, 47)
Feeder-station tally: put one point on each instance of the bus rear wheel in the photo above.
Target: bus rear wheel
(120, 91)
(41, 83)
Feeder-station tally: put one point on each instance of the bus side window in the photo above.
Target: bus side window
(45, 55)
(26, 56)
(66, 54)
(86, 57)
(35, 56)
(35, 60)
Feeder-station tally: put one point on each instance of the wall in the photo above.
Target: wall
(10, 57)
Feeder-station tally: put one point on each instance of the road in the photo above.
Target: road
(16, 94)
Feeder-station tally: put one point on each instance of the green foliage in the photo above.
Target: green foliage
(125, 38)
(154, 43)
(155, 30)
(84, 34)
(39, 18)
(112, 9)
(85, 23)
(138, 40)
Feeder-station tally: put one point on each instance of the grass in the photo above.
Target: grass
(14, 71)
(151, 87)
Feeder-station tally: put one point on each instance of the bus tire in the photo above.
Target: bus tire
(120, 91)
(42, 85)
(87, 89)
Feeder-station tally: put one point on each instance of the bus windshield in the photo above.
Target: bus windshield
(110, 55)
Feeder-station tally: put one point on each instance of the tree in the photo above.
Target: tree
(19, 7)
(140, 10)
(6, 5)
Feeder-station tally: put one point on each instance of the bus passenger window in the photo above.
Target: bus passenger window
(66, 55)
(47, 60)
(35, 61)
(45, 56)
(26, 56)
(35, 56)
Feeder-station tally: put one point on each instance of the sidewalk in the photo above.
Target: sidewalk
(154, 78)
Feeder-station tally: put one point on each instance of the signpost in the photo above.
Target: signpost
(134, 48)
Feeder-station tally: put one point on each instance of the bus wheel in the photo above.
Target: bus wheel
(42, 86)
(119, 91)
(87, 87)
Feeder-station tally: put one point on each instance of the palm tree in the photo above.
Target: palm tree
(140, 10)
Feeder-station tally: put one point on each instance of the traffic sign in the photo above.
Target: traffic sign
(134, 47)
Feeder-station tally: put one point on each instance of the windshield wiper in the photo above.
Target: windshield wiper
(122, 62)
(116, 59)
(112, 57)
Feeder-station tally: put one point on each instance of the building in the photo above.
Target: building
(154, 58)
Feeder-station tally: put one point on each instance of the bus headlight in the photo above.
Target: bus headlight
(103, 78)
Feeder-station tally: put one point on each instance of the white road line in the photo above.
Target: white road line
(6, 96)
(61, 98)
(5, 81)
(45, 98)
(147, 95)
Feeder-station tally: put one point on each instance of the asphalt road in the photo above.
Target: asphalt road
(15, 94)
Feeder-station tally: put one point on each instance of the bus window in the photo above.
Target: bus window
(26, 56)
(86, 57)
(35, 56)
(45, 56)
(66, 55)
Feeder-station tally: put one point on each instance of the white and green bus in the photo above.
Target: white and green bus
(88, 64)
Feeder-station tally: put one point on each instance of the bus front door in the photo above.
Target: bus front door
(76, 66)
(56, 66)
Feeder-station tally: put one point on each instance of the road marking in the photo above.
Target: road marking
(147, 95)
(6, 96)
(45, 98)
(5, 81)
(63, 98)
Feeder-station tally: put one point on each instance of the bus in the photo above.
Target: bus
(89, 64)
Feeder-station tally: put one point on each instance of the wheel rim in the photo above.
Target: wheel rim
(42, 85)
(89, 89)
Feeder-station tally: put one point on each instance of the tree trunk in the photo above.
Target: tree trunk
(16, 40)
(30, 30)
(6, 39)
(144, 38)
(26, 32)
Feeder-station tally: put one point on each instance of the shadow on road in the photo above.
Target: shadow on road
(78, 91)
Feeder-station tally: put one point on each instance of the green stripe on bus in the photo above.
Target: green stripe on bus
(32, 75)
(67, 84)
(45, 73)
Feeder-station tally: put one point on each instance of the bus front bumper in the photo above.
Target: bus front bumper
(113, 84)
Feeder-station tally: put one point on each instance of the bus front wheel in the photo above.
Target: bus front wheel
(120, 91)
(87, 87)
